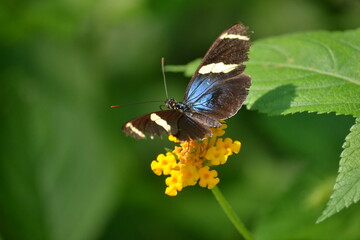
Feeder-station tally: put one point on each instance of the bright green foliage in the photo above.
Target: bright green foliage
(347, 187)
(311, 72)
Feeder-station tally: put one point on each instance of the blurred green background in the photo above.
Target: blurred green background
(68, 172)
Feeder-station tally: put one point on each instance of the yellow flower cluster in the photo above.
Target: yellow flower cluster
(190, 162)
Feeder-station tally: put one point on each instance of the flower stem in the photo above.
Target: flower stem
(231, 214)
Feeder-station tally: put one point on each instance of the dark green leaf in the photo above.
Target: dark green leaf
(313, 72)
(347, 187)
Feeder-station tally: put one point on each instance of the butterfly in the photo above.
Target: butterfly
(216, 92)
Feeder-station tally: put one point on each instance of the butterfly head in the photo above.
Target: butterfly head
(171, 103)
(175, 105)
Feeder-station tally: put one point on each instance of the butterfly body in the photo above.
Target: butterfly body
(216, 92)
(175, 105)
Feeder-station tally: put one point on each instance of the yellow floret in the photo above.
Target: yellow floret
(174, 183)
(172, 138)
(163, 164)
(217, 155)
(190, 175)
(208, 178)
(190, 162)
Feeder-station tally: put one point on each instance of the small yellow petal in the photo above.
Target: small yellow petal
(174, 183)
(208, 178)
(172, 138)
(155, 168)
(190, 175)
(164, 164)
(171, 191)
(229, 144)
(216, 155)
(235, 147)
(217, 132)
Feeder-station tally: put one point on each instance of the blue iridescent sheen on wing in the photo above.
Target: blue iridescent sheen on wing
(200, 93)
(218, 95)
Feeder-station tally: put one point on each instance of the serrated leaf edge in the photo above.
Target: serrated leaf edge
(330, 212)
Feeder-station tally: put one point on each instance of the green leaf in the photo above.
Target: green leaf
(347, 187)
(314, 72)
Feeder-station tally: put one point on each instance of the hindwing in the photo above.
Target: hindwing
(177, 123)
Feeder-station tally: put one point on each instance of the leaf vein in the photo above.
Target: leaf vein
(354, 81)
(345, 193)
(276, 49)
(328, 49)
(278, 82)
(348, 44)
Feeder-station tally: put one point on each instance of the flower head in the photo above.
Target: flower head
(190, 162)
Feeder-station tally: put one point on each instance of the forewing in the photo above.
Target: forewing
(219, 86)
(155, 123)
(224, 99)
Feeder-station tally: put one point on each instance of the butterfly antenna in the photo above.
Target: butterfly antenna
(163, 72)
